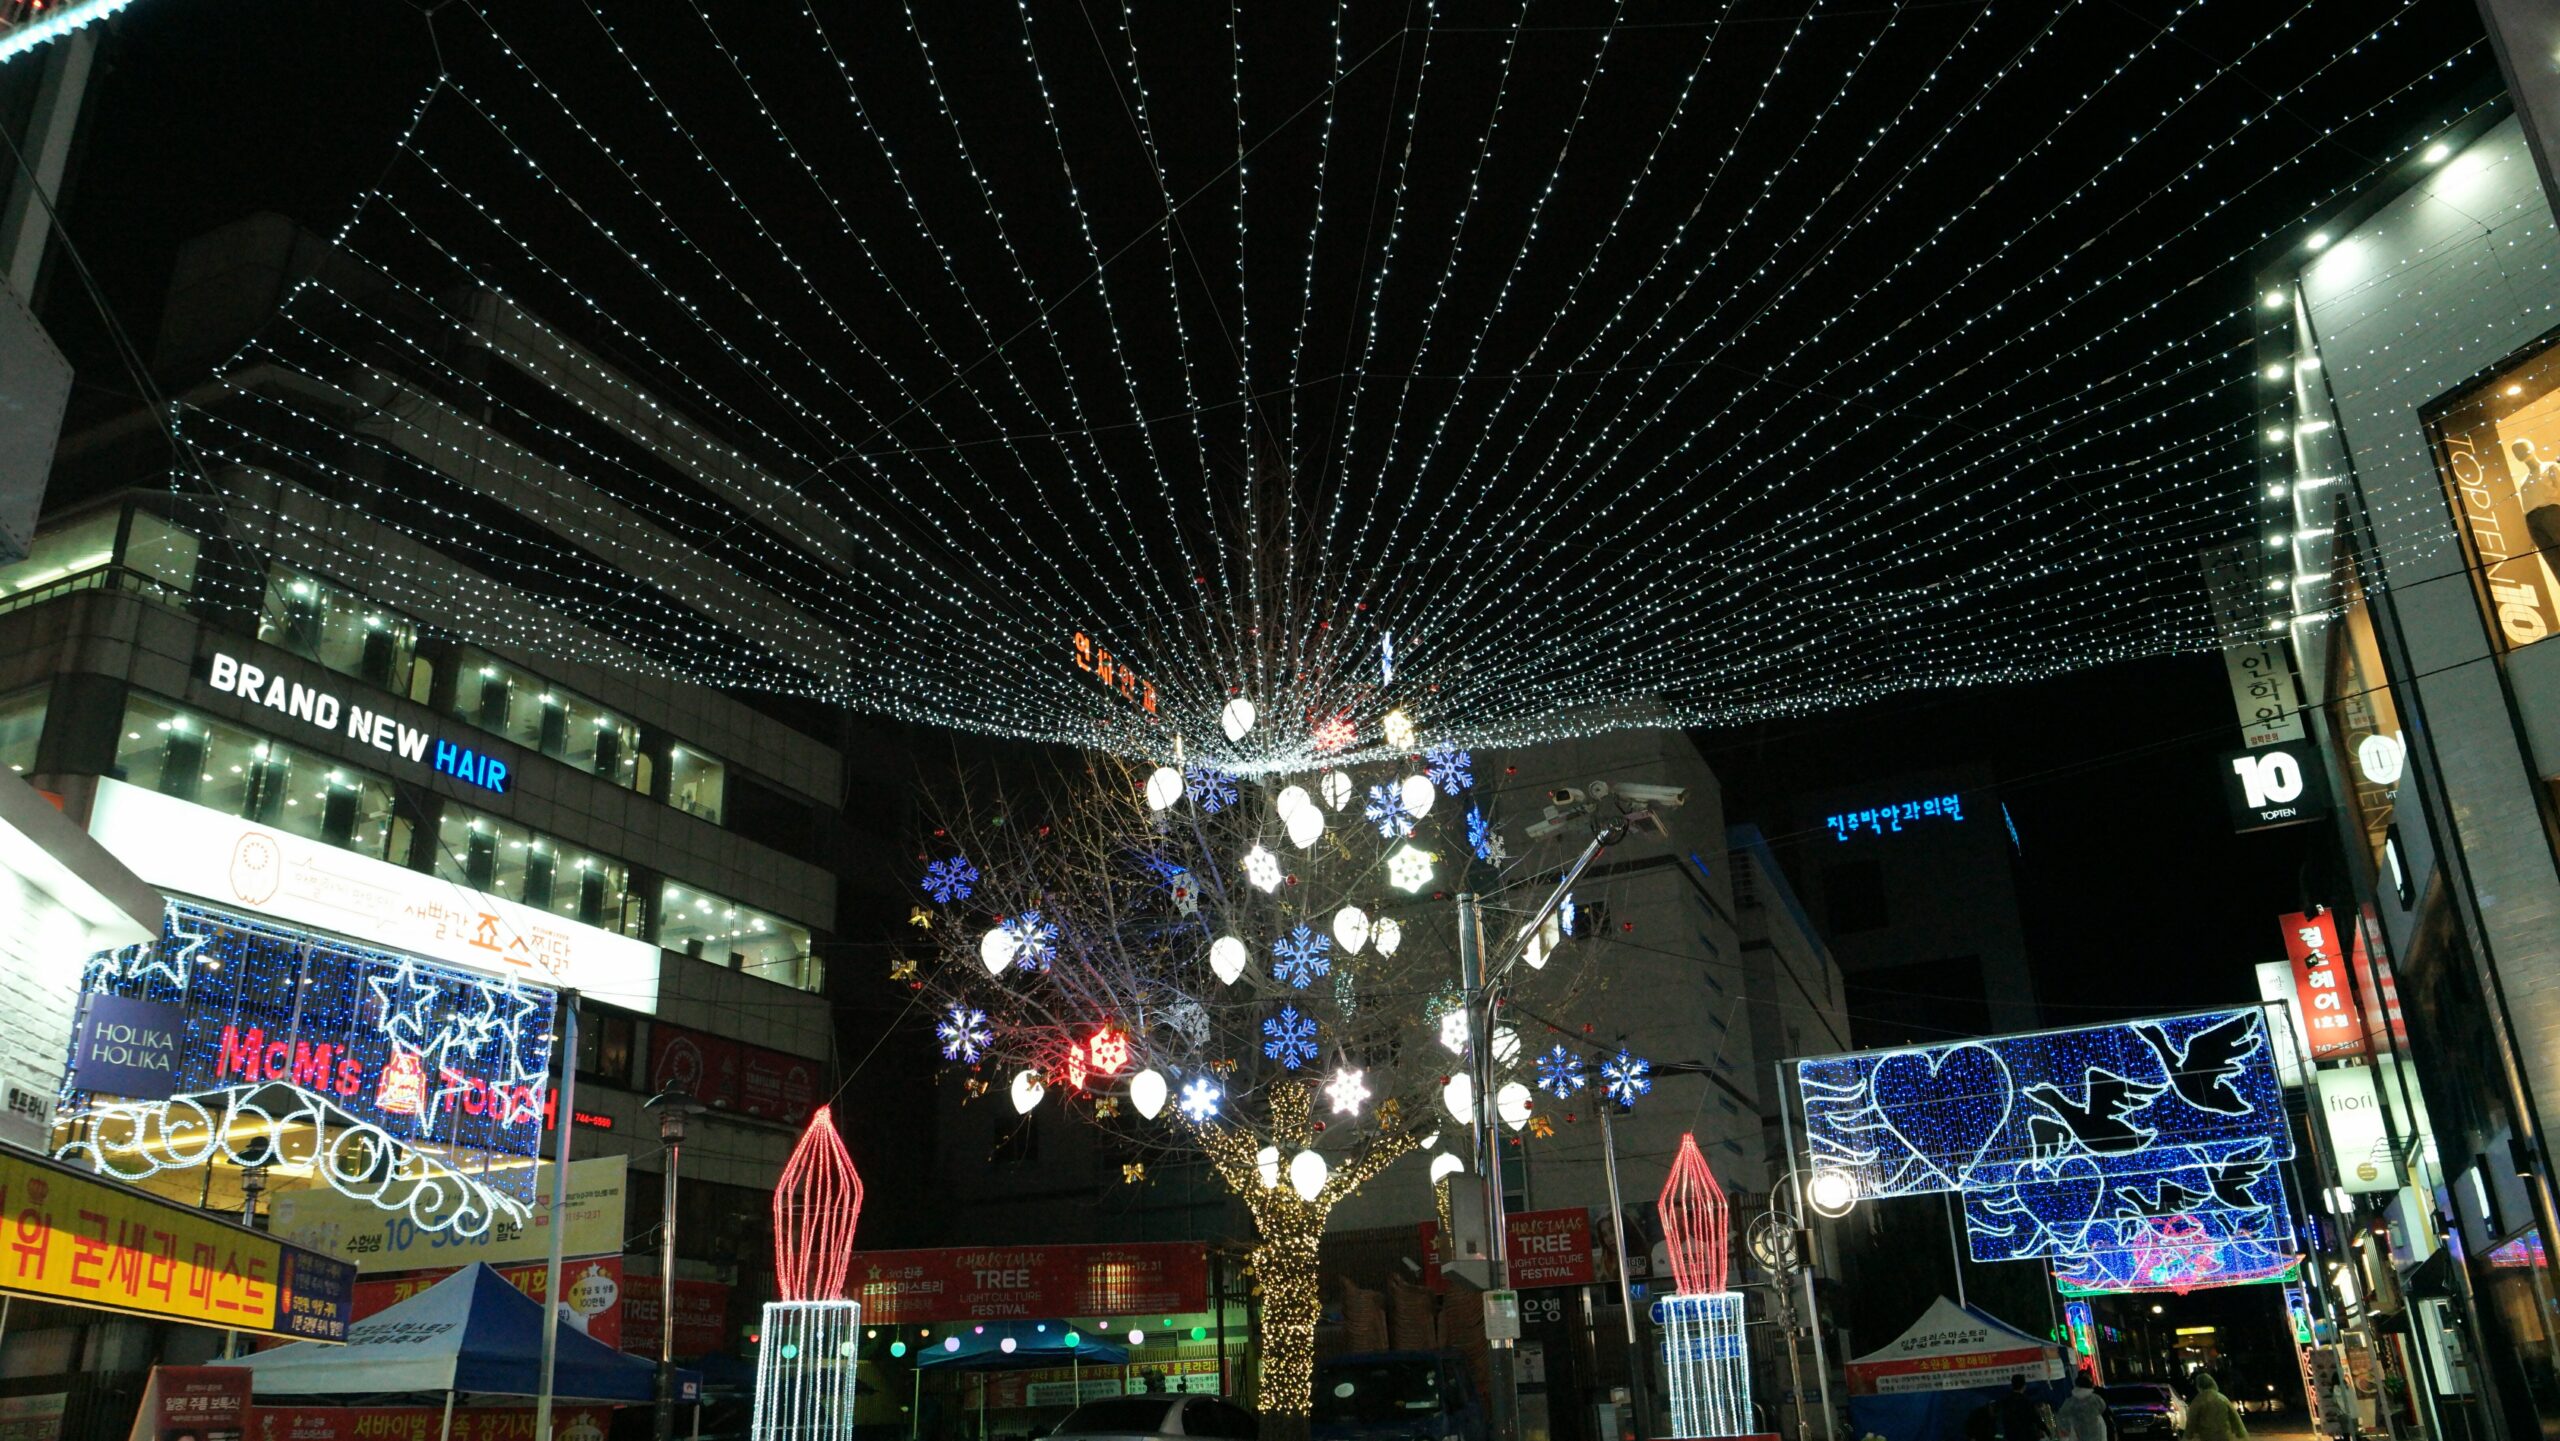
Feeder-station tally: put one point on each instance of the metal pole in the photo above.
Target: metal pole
(1812, 1309)
(1785, 1272)
(673, 1108)
(559, 1210)
(1502, 1407)
(253, 1181)
(1636, 1367)
(1955, 1248)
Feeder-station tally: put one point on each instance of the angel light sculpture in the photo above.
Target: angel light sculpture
(1703, 1355)
(805, 1368)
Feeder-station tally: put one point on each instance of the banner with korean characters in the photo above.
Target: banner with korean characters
(1001, 1283)
(86, 1241)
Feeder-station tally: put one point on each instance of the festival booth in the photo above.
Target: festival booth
(1952, 1361)
(469, 1336)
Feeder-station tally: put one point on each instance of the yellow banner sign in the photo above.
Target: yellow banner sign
(377, 1240)
(84, 1241)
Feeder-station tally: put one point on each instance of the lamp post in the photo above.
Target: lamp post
(674, 1108)
(253, 1184)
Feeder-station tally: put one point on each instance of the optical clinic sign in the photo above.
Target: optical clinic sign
(183, 847)
(323, 710)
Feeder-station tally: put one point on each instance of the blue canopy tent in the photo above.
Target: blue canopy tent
(1954, 1360)
(470, 1334)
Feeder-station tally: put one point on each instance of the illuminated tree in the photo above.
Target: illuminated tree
(1257, 970)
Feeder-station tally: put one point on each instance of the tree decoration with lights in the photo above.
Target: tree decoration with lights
(805, 1362)
(1293, 1077)
(1704, 1357)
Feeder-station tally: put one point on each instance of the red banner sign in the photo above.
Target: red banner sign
(194, 1403)
(702, 1316)
(422, 1423)
(998, 1283)
(1549, 1248)
(729, 1076)
(2320, 987)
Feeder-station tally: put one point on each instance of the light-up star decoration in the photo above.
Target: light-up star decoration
(805, 1365)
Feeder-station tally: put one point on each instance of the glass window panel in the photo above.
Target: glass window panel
(499, 698)
(21, 725)
(696, 783)
(740, 937)
(593, 739)
(82, 544)
(488, 854)
(162, 551)
(334, 626)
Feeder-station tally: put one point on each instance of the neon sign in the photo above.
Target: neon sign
(322, 710)
(1889, 819)
(1115, 674)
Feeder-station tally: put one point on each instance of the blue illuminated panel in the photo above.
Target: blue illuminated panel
(1889, 819)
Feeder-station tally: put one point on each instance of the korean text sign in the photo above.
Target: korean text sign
(2320, 987)
(83, 1241)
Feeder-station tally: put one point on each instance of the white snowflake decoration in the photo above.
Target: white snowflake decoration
(1301, 956)
(964, 1034)
(1186, 893)
(1451, 769)
(1347, 1091)
(1035, 941)
(1262, 868)
(1200, 1097)
(1453, 1031)
(1560, 1072)
(1386, 809)
(1626, 1077)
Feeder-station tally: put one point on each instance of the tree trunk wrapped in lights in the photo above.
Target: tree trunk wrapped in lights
(805, 1361)
(1253, 970)
(1703, 1356)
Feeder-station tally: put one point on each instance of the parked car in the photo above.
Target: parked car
(2139, 1409)
(1396, 1396)
(1137, 1418)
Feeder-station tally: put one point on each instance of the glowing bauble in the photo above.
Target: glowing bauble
(1305, 826)
(1409, 868)
(997, 949)
(1262, 868)
(1512, 1104)
(1267, 1160)
(1227, 958)
(1337, 789)
(1307, 1173)
(1386, 934)
(1416, 793)
(1164, 787)
(1137, 1337)
(1459, 1095)
(1006, 1345)
(1351, 929)
(1237, 718)
(1027, 1091)
(1445, 1165)
(1399, 729)
(950, 1343)
(1147, 1092)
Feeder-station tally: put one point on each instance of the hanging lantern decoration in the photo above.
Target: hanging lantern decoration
(1336, 787)
(1147, 1092)
(1387, 934)
(1028, 1088)
(1444, 1166)
(1307, 1173)
(1703, 1354)
(1164, 787)
(804, 1375)
(1459, 1095)
(1267, 1161)
(1416, 793)
(1511, 1102)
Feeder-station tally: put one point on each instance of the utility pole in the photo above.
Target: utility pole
(1638, 1367)
(674, 1108)
(1502, 1407)
(568, 1115)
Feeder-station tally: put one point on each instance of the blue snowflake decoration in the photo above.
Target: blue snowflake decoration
(1302, 955)
(1210, 788)
(1293, 1038)
(1480, 835)
(964, 1035)
(1560, 1072)
(1035, 941)
(950, 879)
(1386, 808)
(1451, 769)
(1626, 1077)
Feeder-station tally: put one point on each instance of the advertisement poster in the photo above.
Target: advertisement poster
(594, 1287)
(2498, 449)
(378, 1241)
(1001, 1283)
(702, 1316)
(194, 1403)
(1550, 1248)
(730, 1076)
(33, 1418)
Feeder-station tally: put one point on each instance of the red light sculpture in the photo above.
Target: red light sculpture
(1694, 1224)
(816, 1204)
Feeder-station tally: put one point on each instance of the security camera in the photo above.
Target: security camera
(1636, 795)
(1572, 796)
(1555, 823)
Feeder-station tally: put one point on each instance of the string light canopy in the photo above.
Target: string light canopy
(1509, 378)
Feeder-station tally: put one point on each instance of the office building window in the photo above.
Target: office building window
(605, 1045)
(163, 551)
(334, 626)
(85, 543)
(503, 858)
(180, 753)
(739, 937)
(21, 726)
(563, 725)
(696, 783)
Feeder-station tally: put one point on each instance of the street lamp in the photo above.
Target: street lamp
(253, 1184)
(674, 1107)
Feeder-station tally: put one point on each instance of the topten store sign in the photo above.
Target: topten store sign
(233, 676)
(187, 848)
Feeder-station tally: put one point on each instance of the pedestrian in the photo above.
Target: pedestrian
(2084, 1416)
(2021, 1418)
(2211, 1416)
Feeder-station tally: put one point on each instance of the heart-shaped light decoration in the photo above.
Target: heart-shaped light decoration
(1305, 826)
(1386, 935)
(1512, 1104)
(1443, 1165)
(1459, 1095)
(1351, 929)
(1164, 787)
(1416, 793)
(1027, 1091)
(1307, 1172)
(1227, 957)
(1237, 718)
(1147, 1092)
(997, 949)
(1337, 789)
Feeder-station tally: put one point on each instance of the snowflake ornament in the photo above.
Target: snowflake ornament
(1301, 956)
(1262, 868)
(1386, 809)
(1035, 941)
(1453, 1031)
(950, 879)
(1560, 1072)
(1293, 1038)
(1346, 1090)
(1200, 1100)
(964, 1034)
(1625, 1077)
(1480, 835)
(1451, 769)
(1186, 893)
(1190, 1021)
(1211, 789)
